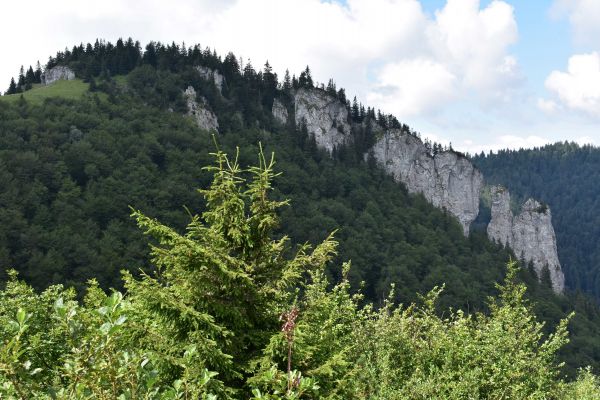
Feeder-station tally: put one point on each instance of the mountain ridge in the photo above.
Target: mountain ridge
(391, 236)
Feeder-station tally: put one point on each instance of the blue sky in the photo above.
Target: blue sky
(482, 74)
(544, 42)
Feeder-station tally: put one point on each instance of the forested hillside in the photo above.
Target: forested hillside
(567, 177)
(228, 316)
(72, 167)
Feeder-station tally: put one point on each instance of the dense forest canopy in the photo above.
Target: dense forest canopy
(566, 176)
(228, 316)
(72, 169)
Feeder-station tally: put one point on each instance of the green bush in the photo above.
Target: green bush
(228, 313)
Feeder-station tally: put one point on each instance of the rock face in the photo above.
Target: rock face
(530, 234)
(280, 113)
(448, 180)
(205, 119)
(326, 118)
(57, 73)
(211, 74)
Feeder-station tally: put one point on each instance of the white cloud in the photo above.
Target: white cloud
(584, 18)
(474, 42)
(412, 86)
(444, 73)
(579, 87)
(387, 51)
(547, 106)
(464, 53)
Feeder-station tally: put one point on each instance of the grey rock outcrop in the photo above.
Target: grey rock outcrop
(280, 113)
(57, 73)
(211, 74)
(448, 180)
(326, 118)
(205, 119)
(530, 234)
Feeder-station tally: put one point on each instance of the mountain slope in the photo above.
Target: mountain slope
(567, 177)
(72, 167)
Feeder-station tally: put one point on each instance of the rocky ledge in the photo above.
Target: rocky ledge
(324, 116)
(211, 74)
(530, 234)
(280, 113)
(205, 119)
(448, 180)
(57, 73)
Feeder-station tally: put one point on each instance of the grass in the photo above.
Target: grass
(73, 89)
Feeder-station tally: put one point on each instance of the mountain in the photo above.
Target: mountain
(565, 176)
(74, 161)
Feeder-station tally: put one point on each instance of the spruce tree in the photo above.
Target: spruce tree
(355, 110)
(287, 81)
(38, 73)
(30, 76)
(305, 79)
(21, 81)
(12, 88)
(222, 285)
(341, 95)
(309, 80)
(331, 89)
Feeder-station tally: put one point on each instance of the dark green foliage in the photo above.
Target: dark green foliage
(213, 302)
(93, 60)
(72, 169)
(21, 81)
(12, 88)
(305, 79)
(37, 75)
(566, 177)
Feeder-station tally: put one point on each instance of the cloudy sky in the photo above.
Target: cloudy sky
(480, 74)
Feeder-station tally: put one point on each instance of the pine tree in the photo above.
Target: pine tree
(249, 71)
(355, 110)
(21, 81)
(222, 286)
(309, 80)
(341, 95)
(269, 85)
(305, 79)
(38, 73)
(331, 89)
(150, 55)
(231, 67)
(12, 88)
(287, 81)
(30, 76)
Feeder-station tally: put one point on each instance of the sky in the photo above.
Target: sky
(479, 74)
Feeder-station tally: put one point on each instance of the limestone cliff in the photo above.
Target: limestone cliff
(280, 113)
(205, 119)
(57, 73)
(448, 180)
(211, 74)
(325, 117)
(530, 234)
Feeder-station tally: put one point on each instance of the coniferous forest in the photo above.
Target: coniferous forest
(565, 176)
(315, 277)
